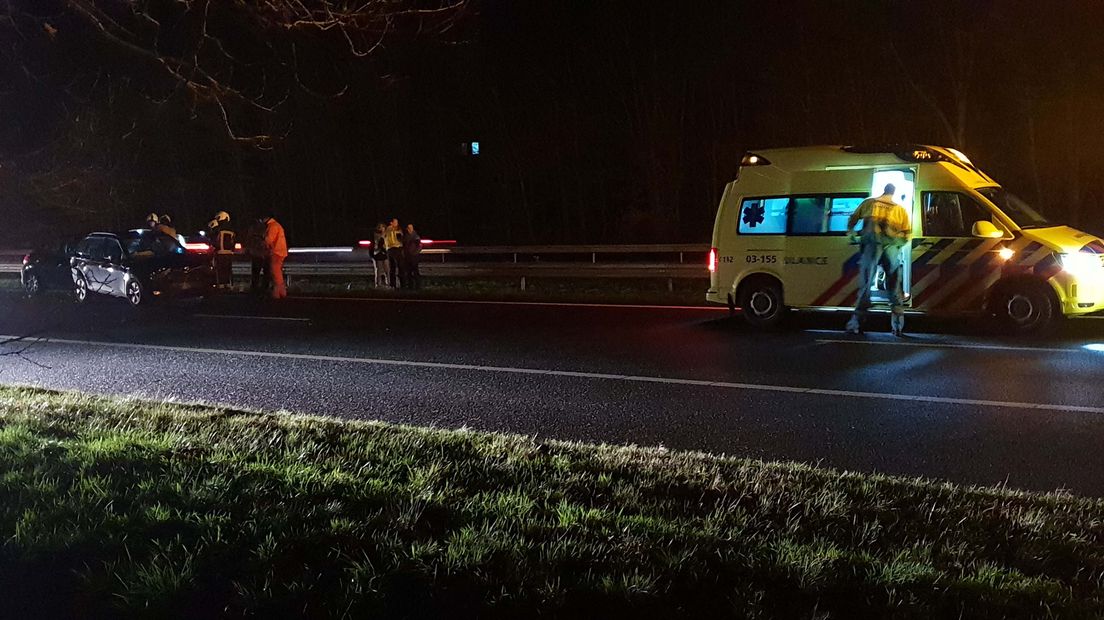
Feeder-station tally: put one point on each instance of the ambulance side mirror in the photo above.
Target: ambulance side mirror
(985, 229)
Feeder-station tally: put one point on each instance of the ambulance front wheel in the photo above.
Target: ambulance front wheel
(761, 301)
(1025, 307)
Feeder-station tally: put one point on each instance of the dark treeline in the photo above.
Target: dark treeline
(597, 121)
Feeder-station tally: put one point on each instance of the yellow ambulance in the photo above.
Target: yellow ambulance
(780, 239)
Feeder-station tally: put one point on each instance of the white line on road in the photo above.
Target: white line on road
(250, 318)
(948, 345)
(587, 375)
(553, 304)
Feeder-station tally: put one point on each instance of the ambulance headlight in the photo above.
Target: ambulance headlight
(1081, 263)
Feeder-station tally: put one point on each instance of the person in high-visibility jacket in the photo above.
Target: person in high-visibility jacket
(885, 231)
(393, 243)
(276, 242)
(222, 236)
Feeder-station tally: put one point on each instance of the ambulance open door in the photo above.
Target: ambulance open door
(904, 179)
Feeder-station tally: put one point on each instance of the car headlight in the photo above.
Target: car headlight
(1081, 263)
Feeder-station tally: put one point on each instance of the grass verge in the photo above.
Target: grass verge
(116, 508)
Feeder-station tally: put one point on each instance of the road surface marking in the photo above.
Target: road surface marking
(583, 375)
(250, 318)
(561, 304)
(947, 345)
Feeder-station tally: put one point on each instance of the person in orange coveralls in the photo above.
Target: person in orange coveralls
(276, 243)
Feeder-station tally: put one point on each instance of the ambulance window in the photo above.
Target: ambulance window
(763, 216)
(951, 214)
(840, 211)
(810, 215)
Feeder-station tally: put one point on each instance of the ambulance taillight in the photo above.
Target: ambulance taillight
(712, 260)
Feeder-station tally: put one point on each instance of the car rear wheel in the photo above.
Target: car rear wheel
(31, 284)
(80, 286)
(1025, 308)
(761, 301)
(135, 294)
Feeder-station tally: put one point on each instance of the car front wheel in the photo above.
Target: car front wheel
(135, 294)
(80, 286)
(1026, 308)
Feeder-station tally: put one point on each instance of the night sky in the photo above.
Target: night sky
(598, 121)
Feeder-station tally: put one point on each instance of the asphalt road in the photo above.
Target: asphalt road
(950, 401)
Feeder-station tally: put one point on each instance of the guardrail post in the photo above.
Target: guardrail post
(680, 257)
(523, 283)
(670, 285)
(593, 257)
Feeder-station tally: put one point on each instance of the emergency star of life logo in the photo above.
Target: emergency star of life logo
(753, 214)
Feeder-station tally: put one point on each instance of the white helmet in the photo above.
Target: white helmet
(221, 216)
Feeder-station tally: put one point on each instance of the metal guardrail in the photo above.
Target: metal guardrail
(666, 261)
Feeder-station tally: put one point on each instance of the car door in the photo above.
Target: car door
(97, 266)
(113, 267)
(85, 262)
(57, 273)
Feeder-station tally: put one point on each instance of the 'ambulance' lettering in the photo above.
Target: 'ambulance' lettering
(806, 260)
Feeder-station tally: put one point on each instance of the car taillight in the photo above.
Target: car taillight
(197, 247)
(712, 260)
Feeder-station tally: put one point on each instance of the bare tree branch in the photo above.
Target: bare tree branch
(155, 35)
(23, 345)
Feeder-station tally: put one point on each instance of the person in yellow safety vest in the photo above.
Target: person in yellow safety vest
(221, 235)
(393, 243)
(276, 242)
(885, 231)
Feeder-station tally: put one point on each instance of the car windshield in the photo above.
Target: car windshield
(1021, 213)
(147, 242)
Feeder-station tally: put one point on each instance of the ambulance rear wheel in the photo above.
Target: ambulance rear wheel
(761, 301)
(1025, 308)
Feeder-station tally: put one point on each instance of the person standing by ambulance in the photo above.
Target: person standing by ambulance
(885, 231)
(276, 243)
(392, 242)
(222, 239)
